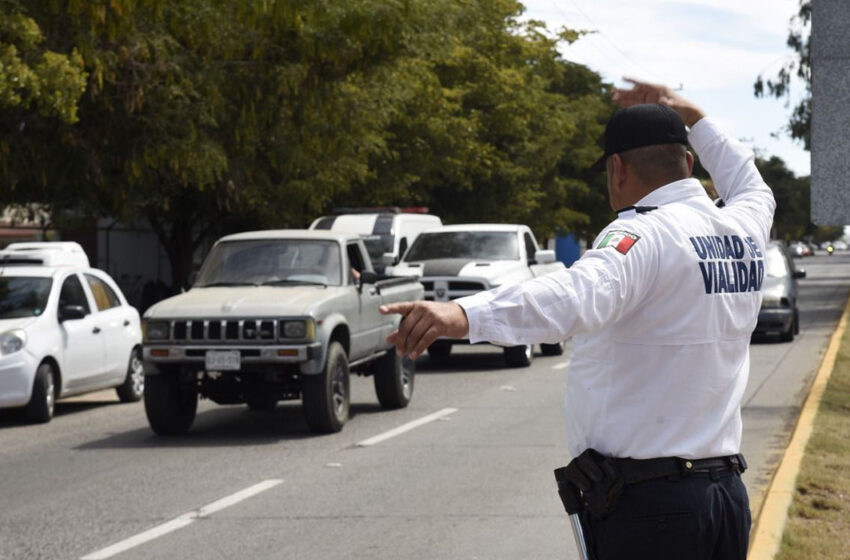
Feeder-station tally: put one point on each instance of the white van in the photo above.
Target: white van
(386, 233)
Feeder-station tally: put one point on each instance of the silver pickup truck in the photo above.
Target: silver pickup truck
(276, 315)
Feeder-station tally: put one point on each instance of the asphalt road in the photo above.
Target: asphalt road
(474, 482)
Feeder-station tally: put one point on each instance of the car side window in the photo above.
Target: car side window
(104, 296)
(72, 293)
(530, 247)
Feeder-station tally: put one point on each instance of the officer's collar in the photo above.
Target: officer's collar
(672, 192)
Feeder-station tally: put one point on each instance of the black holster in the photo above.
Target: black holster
(590, 481)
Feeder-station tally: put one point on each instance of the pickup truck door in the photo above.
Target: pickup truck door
(366, 326)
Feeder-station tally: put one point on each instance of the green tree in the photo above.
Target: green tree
(800, 65)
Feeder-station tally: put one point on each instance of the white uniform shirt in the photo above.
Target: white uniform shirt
(660, 311)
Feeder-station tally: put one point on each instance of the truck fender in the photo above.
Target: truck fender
(324, 330)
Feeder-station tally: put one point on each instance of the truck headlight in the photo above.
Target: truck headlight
(155, 330)
(12, 341)
(302, 329)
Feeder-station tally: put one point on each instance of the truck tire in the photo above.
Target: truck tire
(326, 396)
(440, 350)
(519, 356)
(170, 404)
(552, 349)
(133, 387)
(43, 398)
(394, 376)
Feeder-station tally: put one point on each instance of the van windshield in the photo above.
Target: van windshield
(485, 245)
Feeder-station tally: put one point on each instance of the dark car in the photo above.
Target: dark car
(779, 313)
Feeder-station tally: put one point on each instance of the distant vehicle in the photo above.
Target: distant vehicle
(277, 315)
(65, 329)
(799, 249)
(387, 234)
(460, 260)
(779, 312)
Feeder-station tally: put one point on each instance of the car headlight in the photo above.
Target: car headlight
(304, 329)
(773, 301)
(12, 341)
(155, 330)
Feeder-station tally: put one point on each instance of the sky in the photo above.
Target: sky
(712, 49)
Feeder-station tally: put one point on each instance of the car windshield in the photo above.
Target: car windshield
(485, 245)
(272, 262)
(775, 264)
(23, 296)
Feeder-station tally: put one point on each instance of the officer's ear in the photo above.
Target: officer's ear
(690, 159)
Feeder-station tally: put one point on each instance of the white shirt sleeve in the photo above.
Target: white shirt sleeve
(733, 170)
(599, 288)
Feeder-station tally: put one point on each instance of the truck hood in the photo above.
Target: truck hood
(494, 272)
(260, 301)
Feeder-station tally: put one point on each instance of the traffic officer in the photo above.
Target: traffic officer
(660, 311)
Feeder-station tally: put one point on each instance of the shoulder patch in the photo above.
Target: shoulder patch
(620, 240)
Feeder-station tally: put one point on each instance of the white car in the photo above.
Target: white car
(65, 329)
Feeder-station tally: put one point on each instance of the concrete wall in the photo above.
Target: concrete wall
(831, 112)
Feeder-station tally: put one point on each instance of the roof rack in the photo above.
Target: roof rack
(47, 253)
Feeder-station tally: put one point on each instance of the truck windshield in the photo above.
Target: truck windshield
(278, 262)
(485, 245)
(23, 296)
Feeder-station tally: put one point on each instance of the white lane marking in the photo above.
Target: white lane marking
(182, 521)
(562, 365)
(406, 427)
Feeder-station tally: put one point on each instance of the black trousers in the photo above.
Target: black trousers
(698, 516)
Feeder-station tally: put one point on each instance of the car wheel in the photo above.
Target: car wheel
(440, 350)
(43, 398)
(796, 321)
(788, 335)
(170, 404)
(133, 387)
(326, 396)
(519, 356)
(394, 376)
(552, 349)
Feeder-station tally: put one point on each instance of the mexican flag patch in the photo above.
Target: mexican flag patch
(619, 240)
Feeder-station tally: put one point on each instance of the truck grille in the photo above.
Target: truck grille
(256, 330)
(441, 290)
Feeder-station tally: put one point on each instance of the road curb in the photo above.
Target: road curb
(770, 522)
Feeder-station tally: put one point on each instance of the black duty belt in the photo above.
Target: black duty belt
(641, 470)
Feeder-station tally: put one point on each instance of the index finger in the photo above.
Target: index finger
(402, 308)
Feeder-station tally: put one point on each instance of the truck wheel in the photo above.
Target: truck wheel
(134, 383)
(394, 379)
(169, 403)
(519, 356)
(43, 398)
(326, 396)
(552, 349)
(440, 350)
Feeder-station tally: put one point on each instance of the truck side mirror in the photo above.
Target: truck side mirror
(544, 256)
(387, 259)
(368, 277)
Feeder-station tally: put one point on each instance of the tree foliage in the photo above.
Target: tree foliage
(800, 66)
(205, 116)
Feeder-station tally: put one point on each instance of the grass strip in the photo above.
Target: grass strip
(818, 523)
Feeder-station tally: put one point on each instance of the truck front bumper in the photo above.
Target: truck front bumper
(166, 354)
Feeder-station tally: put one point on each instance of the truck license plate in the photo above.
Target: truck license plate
(223, 360)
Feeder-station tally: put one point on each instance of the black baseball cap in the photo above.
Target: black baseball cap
(642, 125)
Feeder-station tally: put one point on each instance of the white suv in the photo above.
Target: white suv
(65, 329)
